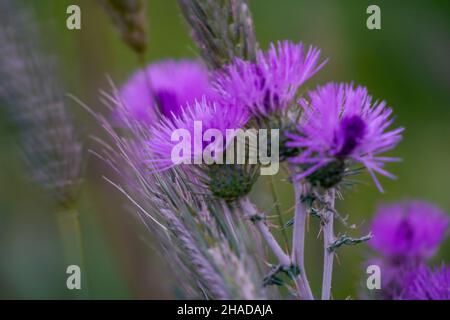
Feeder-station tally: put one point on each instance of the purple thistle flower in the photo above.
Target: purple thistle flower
(408, 231)
(270, 84)
(426, 284)
(211, 116)
(342, 123)
(169, 84)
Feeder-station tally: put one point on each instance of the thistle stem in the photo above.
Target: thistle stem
(258, 220)
(282, 257)
(298, 242)
(70, 233)
(279, 214)
(328, 240)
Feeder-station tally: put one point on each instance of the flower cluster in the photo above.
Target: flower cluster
(340, 124)
(325, 133)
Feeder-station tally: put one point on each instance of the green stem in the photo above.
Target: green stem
(70, 233)
(298, 241)
(278, 209)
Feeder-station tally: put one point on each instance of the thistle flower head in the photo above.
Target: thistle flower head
(407, 231)
(194, 123)
(270, 84)
(427, 284)
(341, 124)
(165, 86)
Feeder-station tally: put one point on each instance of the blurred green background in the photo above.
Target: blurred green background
(407, 63)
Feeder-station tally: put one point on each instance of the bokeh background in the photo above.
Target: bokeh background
(406, 63)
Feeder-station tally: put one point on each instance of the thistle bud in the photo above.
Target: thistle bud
(230, 182)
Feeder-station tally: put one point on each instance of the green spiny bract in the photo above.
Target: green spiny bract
(329, 175)
(230, 182)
